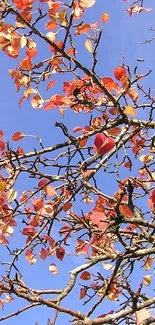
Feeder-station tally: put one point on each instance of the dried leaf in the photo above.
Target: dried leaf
(53, 269)
(12, 194)
(89, 46)
(147, 279)
(130, 110)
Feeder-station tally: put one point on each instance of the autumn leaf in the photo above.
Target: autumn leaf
(133, 94)
(151, 201)
(3, 240)
(82, 293)
(12, 194)
(43, 253)
(2, 145)
(43, 182)
(60, 253)
(130, 110)
(31, 52)
(51, 84)
(89, 46)
(51, 24)
(29, 231)
(1, 134)
(120, 73)
(49, 190)
(125, 211)
(105, 17)
(98, 219)
(26, 64)
(103, 144)
(30, 257)
(86, 3)
(52, 36)
(85, 275)
(82, 29)
(147, 279)
(67, 206)
(53, 269)
(17, 136)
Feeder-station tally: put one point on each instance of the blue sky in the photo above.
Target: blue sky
(123, 37)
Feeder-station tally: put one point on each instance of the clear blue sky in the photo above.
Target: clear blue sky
(122, 37)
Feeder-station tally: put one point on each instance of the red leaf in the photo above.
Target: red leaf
(126, 211)
(30, 256)
(3, 240)
(82, 293)
(60, 252)
(67, 206)
(103, 144)
(43, 182)
(17, 136)
(30, 231)
(1, 134)
(120, 73)
(85, 275)
(43, 253)
(151, 201)
(38, 204)
(77, 129)
(98, 218)
(2, 145)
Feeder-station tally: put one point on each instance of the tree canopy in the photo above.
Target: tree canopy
(79, 213)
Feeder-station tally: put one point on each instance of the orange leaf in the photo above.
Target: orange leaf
(31, 52)
(130, 110)
(110, 84)
(114, 131)
(17, 136)
(26, 64)
(1, 134)
(120, 73)
(37, 101)
(51, 24)
(82, 29)
(105, 17)
(83, 142)
(51, 84)
(133, 94)
(77, 129)
(50, 190)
